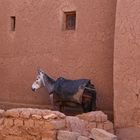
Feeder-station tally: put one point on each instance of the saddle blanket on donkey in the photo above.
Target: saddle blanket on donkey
(71, 90)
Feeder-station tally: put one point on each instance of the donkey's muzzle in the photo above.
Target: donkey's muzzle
(33, 89)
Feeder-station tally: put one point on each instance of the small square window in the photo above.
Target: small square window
(13, 23)
(70, 20)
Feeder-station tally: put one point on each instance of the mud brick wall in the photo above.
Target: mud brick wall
(37, 124)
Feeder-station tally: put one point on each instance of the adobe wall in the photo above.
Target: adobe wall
(127, 64)
(40, 41)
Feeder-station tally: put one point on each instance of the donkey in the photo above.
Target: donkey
(65, 92)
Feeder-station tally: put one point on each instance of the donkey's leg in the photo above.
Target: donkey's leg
(61, 107)
(51, 99)
(86, 102)
(52, 102)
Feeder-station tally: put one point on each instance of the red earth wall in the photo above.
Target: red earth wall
(127, 64)
(40, 41)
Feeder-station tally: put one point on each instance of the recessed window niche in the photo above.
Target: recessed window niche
(13, 23)
(70, 20)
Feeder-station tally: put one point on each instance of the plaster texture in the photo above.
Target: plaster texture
(40, 41)
(127, 64)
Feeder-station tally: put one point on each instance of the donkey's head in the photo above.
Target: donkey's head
(43, 79)
(39, 82)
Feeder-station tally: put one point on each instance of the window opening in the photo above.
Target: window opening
(13, 23)
(70, 23)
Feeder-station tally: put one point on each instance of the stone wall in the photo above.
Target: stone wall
(37, 124)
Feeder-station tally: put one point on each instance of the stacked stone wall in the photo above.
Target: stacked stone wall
(37, 124)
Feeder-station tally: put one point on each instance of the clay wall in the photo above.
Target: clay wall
(127, 64)
(40, 41)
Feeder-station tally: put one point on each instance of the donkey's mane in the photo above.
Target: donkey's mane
(47, 78)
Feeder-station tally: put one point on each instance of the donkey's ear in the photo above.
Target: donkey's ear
(40, 70)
